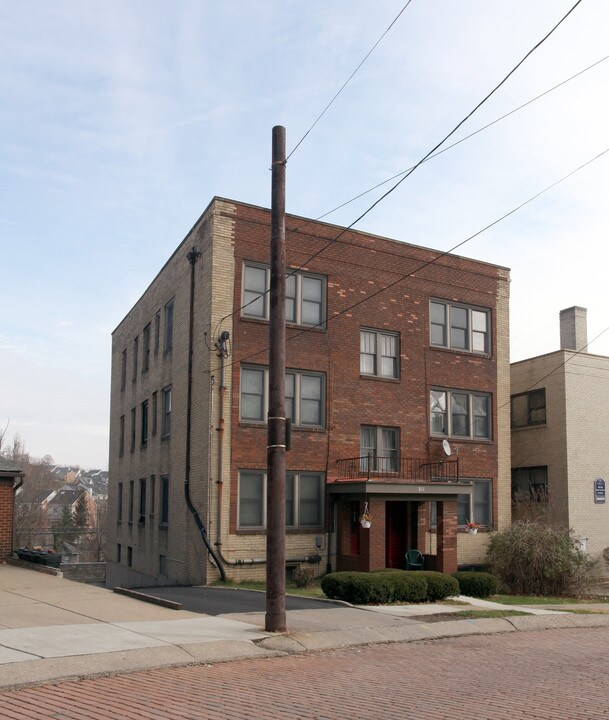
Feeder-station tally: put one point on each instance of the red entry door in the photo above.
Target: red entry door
(397, 533)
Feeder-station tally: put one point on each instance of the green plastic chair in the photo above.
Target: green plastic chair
(414, 560)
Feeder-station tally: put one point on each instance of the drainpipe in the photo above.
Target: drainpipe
(192, 258)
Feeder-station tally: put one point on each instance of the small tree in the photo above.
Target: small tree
(535, 558)
(81, 512)
(63, 528)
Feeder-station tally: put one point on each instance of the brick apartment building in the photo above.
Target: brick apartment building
(374, 384)
(560, 404)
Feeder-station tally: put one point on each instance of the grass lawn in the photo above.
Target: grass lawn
(537, 600)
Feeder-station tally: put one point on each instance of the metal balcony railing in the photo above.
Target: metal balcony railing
(407, 469)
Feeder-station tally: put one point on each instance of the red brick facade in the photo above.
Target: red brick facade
(356, 267)
(6, 518)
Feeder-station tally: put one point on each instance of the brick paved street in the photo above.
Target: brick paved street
(549, 675)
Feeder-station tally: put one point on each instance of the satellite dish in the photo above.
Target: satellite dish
(446, 447)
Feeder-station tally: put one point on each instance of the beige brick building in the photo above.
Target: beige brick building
(560, 416)
(378, 391)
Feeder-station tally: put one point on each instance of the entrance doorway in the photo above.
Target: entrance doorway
(401, 531)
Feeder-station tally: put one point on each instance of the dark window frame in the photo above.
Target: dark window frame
(531, 407)
(468, 330)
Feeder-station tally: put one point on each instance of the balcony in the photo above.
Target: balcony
(398, 468)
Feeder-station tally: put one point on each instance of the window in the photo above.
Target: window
(164, 521)
(304, 396)
(119, 505)
(251, 499)
(529, 408)
(459, 327)
(146, 358)
(530, 483)
(131, 490)
(129, 556)
(163, 564)
(136, 344)
(381, 444)
(477, 507)
(166, 421)
(123, 369)
(303, 499)
(157, 332)
(460, 414)
(118, 552)
(305, 295)
(121, 436)
(154, 411)
(378, 353)
(144, 422)
(152, 494)
(132, 429)
(142, 517)
(169, 326)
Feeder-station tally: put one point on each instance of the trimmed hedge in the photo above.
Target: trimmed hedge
(439, 585)
(476, 584)
(388, 586)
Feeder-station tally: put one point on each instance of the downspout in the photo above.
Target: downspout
(222, 347)
(192, 258)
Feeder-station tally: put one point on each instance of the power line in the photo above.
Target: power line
(347, 81)
(463, 139)
(423, 159)
(428, 262)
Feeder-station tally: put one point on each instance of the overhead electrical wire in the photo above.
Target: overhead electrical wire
(347, 81)
(419, 163)
(426, 264)
(463, 139)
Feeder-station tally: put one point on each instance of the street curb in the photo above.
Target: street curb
(54, 670)
(153, 599)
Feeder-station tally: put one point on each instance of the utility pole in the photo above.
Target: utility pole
(275, 619)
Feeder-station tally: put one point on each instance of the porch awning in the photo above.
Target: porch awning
(402, 487)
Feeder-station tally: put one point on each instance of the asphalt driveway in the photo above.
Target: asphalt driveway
(222, 601)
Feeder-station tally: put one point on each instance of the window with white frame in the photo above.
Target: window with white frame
(379, 448)
(305, 295)
(303, 498)
(459, 327)
(378, 353)
(304, 396)
(477, 507)
(529, 408)
(455, 413)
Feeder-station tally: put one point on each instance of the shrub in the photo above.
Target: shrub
(439, 585)
(304, 577)
(533, 558)
(362, 588)
(476, 584)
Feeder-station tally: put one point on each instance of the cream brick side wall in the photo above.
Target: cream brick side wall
(180, 543)
(587, 402)
(544, 444)
(573, 443)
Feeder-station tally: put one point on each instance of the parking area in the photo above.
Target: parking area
(211, 600)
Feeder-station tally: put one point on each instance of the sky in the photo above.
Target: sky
(121, 120)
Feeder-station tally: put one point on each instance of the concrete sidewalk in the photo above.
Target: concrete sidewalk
(52, 628)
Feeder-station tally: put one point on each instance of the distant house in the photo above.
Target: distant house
(10, 479)
(69, 496)
(560, 419)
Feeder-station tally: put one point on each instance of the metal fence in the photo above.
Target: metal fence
(76, 545)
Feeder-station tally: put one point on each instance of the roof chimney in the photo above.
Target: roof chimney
(573, 329)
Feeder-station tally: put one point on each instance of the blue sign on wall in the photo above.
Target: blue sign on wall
(599, 490)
